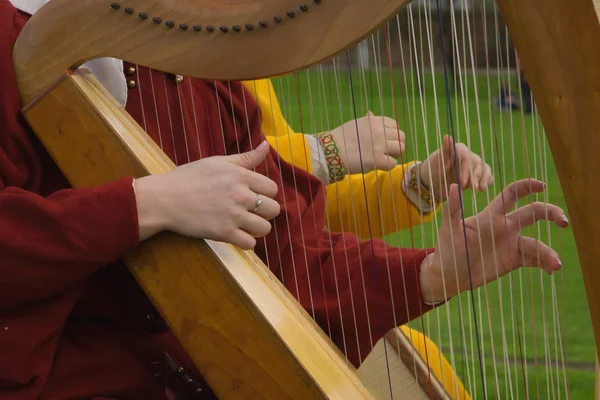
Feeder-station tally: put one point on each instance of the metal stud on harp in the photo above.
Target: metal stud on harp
(430, 70)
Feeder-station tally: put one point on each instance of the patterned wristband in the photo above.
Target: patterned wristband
(418, 191)
(332, 157)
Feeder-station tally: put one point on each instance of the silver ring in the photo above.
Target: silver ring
(259, 201)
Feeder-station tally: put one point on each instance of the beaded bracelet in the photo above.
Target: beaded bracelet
(332, 157)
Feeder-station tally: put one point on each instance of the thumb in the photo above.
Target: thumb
(251, 159)
(451, 211)
(370, 114)
(448, 149)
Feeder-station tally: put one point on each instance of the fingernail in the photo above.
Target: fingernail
(564, 219)
(264, 143)
(559, 265)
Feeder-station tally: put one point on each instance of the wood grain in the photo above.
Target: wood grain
(394, 370)
(66, 33)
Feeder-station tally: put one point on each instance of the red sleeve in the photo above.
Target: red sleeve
(49, 244)
(370, 289)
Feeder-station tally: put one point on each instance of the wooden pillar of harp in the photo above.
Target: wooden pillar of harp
(557, 41)
(247, 337)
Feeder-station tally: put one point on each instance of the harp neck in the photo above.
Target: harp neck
(235, 40)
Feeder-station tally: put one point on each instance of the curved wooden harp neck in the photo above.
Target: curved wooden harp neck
(222, 40)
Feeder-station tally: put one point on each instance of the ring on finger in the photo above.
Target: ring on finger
(258, 203)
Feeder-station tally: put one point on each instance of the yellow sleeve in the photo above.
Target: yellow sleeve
(439, 365)
(389, 210)
(292, 147)
(346, 204)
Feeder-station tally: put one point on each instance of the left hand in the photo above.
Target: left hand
(438, 171)
(369, 143)
(494, 242)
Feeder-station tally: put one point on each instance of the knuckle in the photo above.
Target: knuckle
(225, 230)
(245, 157)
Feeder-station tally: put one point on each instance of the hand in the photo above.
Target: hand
(494, 241)
(381, 143)
(438, 171)
(212, 198)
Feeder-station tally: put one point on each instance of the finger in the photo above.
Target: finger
(251, 159)
(484, 176)
(507, 199)
(393, 134)
(268, 209)
(370, 114)
(451, 211)
(476, 175)
(390, 123)
(531, 213)
(385, 163)
(448, 151)
(536, 254)
(488, 179)
(242, 239)
(260, 184)
(394, 148)
(254, 225)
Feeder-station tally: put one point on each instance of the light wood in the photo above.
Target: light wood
(66, 33)
(248, 337)
(395, 362)
(558, 44)
(597, 386)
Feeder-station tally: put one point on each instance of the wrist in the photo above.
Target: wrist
(430, 281)
(416, 191)
(152, 217)
(423, 176)
(317, 158)
(333, 157)
(425, 180)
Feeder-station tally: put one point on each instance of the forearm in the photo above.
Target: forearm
(378, 204)
(49, 244)
(357, 290)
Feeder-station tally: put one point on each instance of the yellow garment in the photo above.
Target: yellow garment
(389, 209)
(292, 148)
(452, 384)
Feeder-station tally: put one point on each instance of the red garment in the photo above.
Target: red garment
(72, 325)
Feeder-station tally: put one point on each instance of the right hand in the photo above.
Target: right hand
(377, 144)
(493, 239)
(212, 198)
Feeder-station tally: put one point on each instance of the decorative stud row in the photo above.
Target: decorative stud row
(210, 28)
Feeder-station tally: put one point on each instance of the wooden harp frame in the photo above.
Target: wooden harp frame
(280, 353)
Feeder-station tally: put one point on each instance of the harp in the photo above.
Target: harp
(268, 347)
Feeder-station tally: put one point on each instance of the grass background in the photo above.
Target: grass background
(525, 319)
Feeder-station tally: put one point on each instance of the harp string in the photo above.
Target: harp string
(329, 127)
(493, 136)
(326, 123)
(411, 129)
(378, 69)
(421, 82)
(410, 115)
(368, 94)
(306, 160)
(460, 99)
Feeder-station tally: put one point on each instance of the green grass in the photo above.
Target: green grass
(500, 138)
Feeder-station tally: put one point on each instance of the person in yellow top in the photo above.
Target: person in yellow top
(396, 197)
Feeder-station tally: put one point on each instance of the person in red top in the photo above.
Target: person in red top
(75, 325)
